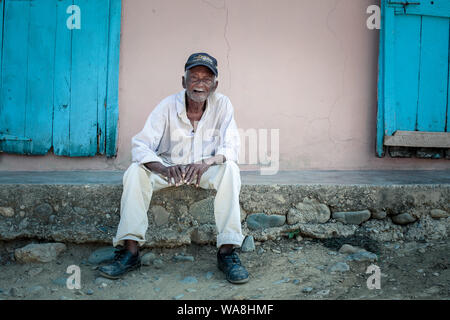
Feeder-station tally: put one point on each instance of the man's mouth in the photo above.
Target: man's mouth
(199, 90)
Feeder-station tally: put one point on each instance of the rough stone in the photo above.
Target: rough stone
(362, 256)
(339, 267)
(348, 249)
(307, 289)
(43, 211)
(329, 230)
(203, 210)
(7, 212)
(382, 230)
(379, 214)
(183, 258)
(428, 228)
(352, 217)
(158, 263)
(248, 244)
(204, 234)
(35, 290)
(438, 214)
(105, 254)
(263, 221)
(308, 211)
(148, 258)
(160, 215)
(403, 218)
(45, 252)
(100, 281)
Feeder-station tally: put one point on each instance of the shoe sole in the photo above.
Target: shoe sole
(238, 281)
(242, 281)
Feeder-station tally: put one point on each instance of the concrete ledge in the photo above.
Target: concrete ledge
(83, 206)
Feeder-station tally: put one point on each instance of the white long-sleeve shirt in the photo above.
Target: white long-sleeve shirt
(168, 136)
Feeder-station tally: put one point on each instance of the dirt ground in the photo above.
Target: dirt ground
(287, 269)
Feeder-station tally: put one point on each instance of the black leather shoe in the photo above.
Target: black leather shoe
(124, 261)
(230, 264)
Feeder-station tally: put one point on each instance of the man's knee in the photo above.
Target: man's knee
(231, 165)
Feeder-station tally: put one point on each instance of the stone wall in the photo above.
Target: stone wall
(184, 215)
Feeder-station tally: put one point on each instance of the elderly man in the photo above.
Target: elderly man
(190, 138)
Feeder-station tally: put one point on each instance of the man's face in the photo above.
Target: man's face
(200, 83)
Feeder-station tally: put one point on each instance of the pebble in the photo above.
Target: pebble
(261, 250)
(43, 252)
(346, 248)
(257, 221)
(436, 274)
(60, 282)
(35, 289)
(296, 281)
(362, 256)
(157, 289)
(238, 297)
(403, 218)
(284, 280)
(189, 280)
(339, 267)
(101, 281)
(14, 292)
(209, 275)
(307, 289)
(276, 251)
(89, 292)
(183, 258)
(148, 258)
(191, 290)
(248, 244)
(323, 292)
(420, 270)
(178, 297)
(158, 263)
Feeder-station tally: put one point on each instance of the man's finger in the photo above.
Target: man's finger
(183, 173)
(177, 175)
(189, 174)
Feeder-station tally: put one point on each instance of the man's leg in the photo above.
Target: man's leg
(226, 179)
(138, 187)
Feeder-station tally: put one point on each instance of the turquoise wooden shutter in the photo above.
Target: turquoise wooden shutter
(59, 84)
(413, 81)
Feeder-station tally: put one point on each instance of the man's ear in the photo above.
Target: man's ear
(215, 85)
(183, 82)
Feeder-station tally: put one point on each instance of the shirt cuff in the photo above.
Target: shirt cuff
(151, 158)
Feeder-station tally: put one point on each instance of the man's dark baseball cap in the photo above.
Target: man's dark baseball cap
(201, 59)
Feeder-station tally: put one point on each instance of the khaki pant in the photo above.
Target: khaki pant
(139, 184)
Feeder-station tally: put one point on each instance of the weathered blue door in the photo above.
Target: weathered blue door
(413, 83)
(59, 76)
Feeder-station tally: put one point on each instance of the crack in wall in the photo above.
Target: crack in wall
(225, 29)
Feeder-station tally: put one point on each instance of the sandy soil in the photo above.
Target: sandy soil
(286, 269)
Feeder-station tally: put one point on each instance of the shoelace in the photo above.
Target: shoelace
(233, 257)
(118, 254)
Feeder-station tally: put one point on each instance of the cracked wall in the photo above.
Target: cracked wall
(307, 68)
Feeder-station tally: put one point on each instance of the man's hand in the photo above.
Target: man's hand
(174, 174)
(194, 172)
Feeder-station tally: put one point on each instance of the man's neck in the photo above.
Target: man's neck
(194, 107)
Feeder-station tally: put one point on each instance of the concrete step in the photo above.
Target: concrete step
(83, 206)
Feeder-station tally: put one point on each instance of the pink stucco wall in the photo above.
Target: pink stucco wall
(305, 67)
